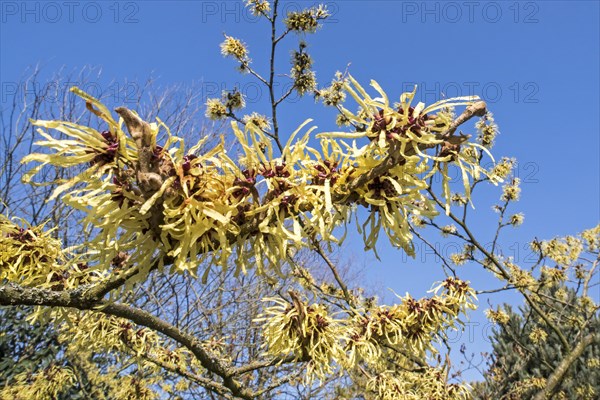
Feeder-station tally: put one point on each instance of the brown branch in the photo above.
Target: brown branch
(204, 382)
(97, 291)
(271, 85)
(147, 169)
(264, 364)
(12, 294)
(476, 109)
(590, 274)
(278, 382)
(347, 295)
(505, 274)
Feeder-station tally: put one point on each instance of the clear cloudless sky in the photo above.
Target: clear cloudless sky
(536, 63)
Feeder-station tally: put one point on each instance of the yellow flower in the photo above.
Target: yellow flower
(306, 331)
(334, 94)
(563, 251)
(215, 109)
(502, 169)
(459, 258)
(306, 20)
(259, 7)
(235, 48)
(511, 191)
(593, 363)
(234, 100)
(516, 219)
(592, 238)
(487, 130)
(448, 230)
(538, 335)
(258, 120)
(499, 316)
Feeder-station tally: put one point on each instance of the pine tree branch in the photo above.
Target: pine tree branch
(554, 381)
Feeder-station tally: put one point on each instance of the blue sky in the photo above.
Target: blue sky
(535, 62)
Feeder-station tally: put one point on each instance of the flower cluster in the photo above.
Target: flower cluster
(234, 100)
(216, 109)
(406, 385)
(100, 333)
(407, 132)
(311, 334)
(306, 21)
(563, 251)
(521, 388)
(511, 191)
(306, 331)
(538, 335)
(26, 251)
(221, 108)
(516, 219)
(45, 384)
(591, 238)
(233, 47)
(334, 95)
(519, 277)
(553, 275)
(448, 230)
(497, 316)
(257, 120)
(502, 169)
(458, 199)
(303, 76)
(184, 207)
(259, 7)
(487, 129)
(30, 256)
